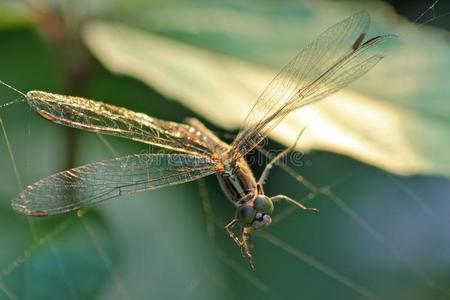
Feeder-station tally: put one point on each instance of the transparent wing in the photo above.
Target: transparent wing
(109, 119)
(83, 186)
(336, 58)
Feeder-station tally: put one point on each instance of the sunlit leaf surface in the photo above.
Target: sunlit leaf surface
(389, 118)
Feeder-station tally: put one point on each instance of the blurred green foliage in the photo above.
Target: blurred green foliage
(378, 236)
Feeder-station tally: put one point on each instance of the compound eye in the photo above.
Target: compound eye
(245, 215)
(263, 204)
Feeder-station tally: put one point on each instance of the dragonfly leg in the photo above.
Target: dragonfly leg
(265, 174)
(243, 243)
(247, 246)
(293, 202)
(233, 236)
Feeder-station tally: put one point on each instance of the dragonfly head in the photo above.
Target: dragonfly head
(256, 213)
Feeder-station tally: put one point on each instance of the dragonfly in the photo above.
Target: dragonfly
(337, 57)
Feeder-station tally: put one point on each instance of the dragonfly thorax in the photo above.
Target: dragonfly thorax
(237, 181)
(253, 208)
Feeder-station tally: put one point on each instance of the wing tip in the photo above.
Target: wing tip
(361, 13)
(20, 205)
(31, 213)
(362, 17)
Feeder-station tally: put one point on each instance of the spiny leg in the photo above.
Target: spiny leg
(293, 202)
(247, 246)
(275, 159)
(233, 236)
(243, 244)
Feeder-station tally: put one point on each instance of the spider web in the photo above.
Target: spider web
(215, 221)
(290, 246)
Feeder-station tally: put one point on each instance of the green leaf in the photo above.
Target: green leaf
(61, 255)
(50, 258)
(376, 237)
(395, 118)
(13, 14)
